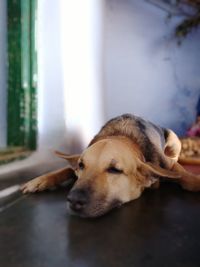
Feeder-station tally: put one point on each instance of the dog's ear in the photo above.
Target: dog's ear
(151, 169)
(72, 159)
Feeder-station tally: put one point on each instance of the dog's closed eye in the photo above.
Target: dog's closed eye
(81, 165)
(114, 170)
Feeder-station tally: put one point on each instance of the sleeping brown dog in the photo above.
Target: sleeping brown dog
(128, 155)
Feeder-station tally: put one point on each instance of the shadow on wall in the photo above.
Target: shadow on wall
(145, 70)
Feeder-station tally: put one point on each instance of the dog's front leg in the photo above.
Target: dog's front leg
(49, 180)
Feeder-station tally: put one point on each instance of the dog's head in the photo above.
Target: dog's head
(110, 172)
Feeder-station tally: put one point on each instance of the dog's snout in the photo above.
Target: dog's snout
(78, 199)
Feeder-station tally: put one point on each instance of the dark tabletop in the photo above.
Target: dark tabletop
(162, 228)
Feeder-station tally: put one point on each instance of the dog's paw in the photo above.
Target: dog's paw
(35, 185)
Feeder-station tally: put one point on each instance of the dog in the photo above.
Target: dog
(128, 155)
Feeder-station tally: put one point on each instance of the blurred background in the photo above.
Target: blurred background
(69, 66)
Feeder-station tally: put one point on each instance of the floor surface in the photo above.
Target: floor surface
(162, 229)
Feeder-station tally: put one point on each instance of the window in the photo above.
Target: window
(22, 79)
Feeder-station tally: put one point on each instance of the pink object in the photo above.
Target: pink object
(194, 131)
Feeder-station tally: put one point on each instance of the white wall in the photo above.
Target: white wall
(3, 73)
(51, 116)
(146, 73)
(69, 52)
(119, 50)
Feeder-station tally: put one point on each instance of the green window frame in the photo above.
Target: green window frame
(22, 79)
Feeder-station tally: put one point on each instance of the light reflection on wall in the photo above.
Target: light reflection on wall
(81, 32)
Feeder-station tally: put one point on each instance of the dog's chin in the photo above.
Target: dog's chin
(85, 213)
(71, 211)
(93, 212)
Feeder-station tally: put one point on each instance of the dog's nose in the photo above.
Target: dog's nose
(78, 198)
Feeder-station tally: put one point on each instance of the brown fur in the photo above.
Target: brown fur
(125, 157)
